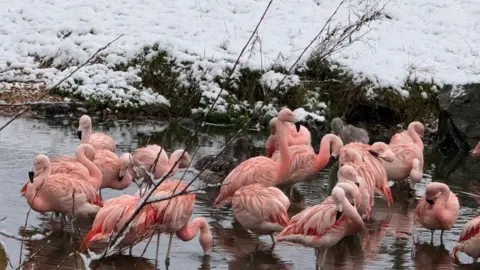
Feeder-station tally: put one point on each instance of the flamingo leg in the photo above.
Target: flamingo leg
(431, 238)
(167, 258)
(441, 237)
(273, 239)
(62, 221)
(156, 251)
(321, 254)
(130, 250)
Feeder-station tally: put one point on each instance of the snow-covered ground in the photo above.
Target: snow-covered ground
(428, 39)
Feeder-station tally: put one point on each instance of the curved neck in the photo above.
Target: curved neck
(351, 212)
(415, 136)
(443, 197)
(321, 160)
(284, 162)
(302, 137)
(189, 231)
(94, 171)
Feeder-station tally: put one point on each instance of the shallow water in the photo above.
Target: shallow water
(384, 245)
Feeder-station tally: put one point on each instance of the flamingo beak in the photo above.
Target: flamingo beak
(79, 134)
(31, 175)
(373, 153)
(333, 158)
(120, 176)
(297, 126)
(430, 201)
(339, 214)
(357, 184)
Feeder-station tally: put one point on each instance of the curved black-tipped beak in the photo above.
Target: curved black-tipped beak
(332, 158)
(31, 175)
(357, 184)
(79, 134)
(375, 154)
(339, 214)
(297, 126)
(429, 201)
(120, 178)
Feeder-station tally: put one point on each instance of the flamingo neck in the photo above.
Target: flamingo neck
(415, 136)
(351, 212)
(189, 231)
(443, 198)
(321, 160)
(86, 134)
(95, 173)
(284, 162)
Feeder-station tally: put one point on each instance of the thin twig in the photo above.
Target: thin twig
(60, 82)
(33, 255)
(12, 237)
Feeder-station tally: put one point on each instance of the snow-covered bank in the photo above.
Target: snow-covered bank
(45, 40)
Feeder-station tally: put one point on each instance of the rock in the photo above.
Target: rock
(459, 116)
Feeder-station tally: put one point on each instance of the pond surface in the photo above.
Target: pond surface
(385, 244)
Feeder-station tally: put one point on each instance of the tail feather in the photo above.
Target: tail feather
(92, 233)
(388, 195)
(24, 189)
(98, 200)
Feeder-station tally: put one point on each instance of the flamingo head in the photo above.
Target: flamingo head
(39, 164)
(126, 163)
(475, 151)
(286, 115)
(85, 123)
(273, 127)
(336, 125)
(418, 127)
(383, 151)
(433, 191)
(184, 161)
(347, 172)
(338, 195)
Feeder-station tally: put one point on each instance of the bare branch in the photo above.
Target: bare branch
(58, 84)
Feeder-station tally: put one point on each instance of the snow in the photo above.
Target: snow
(427, 39)
(302, 115)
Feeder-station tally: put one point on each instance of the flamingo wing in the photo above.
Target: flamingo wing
(312, 224)
(470, 229)
(264, 203)
(254, 170)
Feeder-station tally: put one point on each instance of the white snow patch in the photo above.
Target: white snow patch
(271, 80)
(457, 92)
(302, 115)
(37, 236)
(425, 39)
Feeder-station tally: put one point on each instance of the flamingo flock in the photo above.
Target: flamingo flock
(251, 186)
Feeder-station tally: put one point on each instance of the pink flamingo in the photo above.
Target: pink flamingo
(54, 193)
(347, 174)
(260, 209)
(146, 156)
(97, 139)
(173, 216)
(369, 166)
(323, 225)
(259, 169)
(304, 162)
(82, 165)
(115, 171)
(475, 151)
(114, 215)
(299, 135)
(437, 209)
(407, 147)
(411, 135)
(469, 240)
